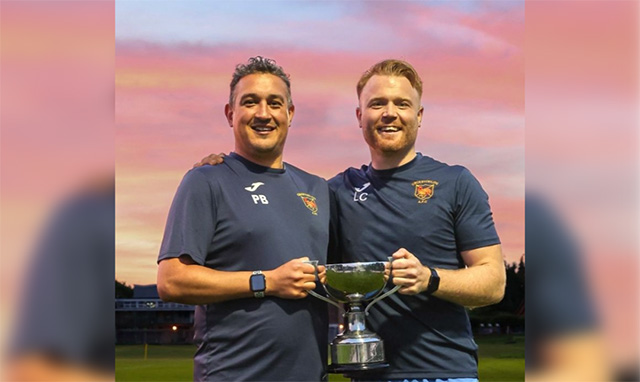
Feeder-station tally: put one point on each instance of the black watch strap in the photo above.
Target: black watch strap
(434, 282)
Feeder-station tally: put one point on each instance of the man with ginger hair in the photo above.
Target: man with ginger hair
(433, 218)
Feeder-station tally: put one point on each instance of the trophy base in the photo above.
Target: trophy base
(353, 370)
(355, 353)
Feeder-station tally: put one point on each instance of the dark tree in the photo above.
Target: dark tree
(123, 290)
(509, 311)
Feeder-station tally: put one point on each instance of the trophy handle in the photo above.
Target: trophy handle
(392, 291)
(319, 296)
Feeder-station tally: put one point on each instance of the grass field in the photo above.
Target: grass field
(501, 359)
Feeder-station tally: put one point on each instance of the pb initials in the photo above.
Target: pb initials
(259, 198)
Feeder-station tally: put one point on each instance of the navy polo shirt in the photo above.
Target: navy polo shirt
(435, 211)
(240, 216)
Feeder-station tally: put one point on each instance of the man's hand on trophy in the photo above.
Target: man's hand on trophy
(321, 270)
(387, 269)
(291, 280)
(322, 274)
(409, 273)
(211, 159)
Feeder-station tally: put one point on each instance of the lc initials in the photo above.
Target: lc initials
(360, 198)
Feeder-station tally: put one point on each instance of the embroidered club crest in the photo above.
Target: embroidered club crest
(424, 189)
(309, 202)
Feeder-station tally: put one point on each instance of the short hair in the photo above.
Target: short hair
(258, 64)
(397, 68)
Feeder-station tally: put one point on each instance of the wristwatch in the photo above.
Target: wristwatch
(258, 284)
(434, 282)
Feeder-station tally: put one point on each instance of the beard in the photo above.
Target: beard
(399, 142)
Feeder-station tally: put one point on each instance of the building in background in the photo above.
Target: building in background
(146, 319)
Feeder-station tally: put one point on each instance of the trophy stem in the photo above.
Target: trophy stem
(356, 318)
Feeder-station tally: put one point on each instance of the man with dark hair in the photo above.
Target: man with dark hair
(236, 241)
(258, 64)
(433, 218)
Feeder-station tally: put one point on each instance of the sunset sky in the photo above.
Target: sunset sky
(174, 61)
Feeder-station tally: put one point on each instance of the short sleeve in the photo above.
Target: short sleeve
(558, 301)
(190, 224)
(474, 227)
(67, 310)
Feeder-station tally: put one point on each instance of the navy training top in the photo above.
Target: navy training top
(558, 301)
(435, 211)
(67, 309)
(240, 216)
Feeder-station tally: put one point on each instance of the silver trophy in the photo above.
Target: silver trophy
(357, 348)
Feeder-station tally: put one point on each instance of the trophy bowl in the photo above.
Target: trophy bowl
(357, 349)
(352, 282)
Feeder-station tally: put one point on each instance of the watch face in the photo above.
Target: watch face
(257, 283)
